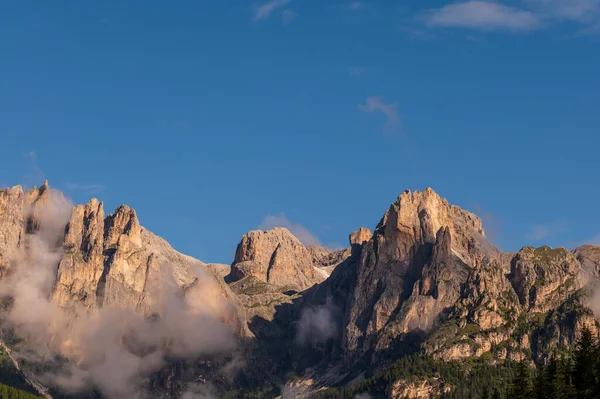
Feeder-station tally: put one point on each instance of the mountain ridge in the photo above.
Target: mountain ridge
(426, 280)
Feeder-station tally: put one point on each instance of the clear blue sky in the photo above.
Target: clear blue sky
(209, 116)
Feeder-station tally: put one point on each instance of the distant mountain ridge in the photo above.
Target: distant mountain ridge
(427, 280)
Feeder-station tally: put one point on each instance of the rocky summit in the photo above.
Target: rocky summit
(425, 287)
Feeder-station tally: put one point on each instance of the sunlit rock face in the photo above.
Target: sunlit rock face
(86, 293)
(544, 277)
(101, 260)
(412, 268)
(426, 276)
(274, 256)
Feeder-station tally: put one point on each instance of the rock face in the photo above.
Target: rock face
(360, 236)
(421, 389)
(113, 261)
(589, 257)
(106, 260)
(411, 271)
(275, 256)
(13, 209)
(427, 278)
(488, 299)
(326, 260)
(544, 277)
(428, 271)
(80, 269)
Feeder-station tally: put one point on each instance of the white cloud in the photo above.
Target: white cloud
(302, 233)
(543, 231)
(88, 189)
(390, 110)
(317, 324)
(265, 10)
(575, 10)
(116, 348)
(539, 233)
(487, 15)
(482, 15)
(287, 16)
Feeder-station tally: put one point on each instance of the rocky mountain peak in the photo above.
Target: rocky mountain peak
(275, 256)
(123, 221)
(416, 217)
(411, 271)
(101, 259)
(427, 275)
(360, 236)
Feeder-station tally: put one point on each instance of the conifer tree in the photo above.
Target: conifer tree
(584, 359)
(485, 392)
(541, 382)
(521, 388)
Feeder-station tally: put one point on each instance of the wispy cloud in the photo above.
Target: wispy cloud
(35, 175)
(594, 240)
(522, 16)
(305, 236)
(481, 15)
(415, 32)
(547, 230)
(287, 16)
(265, 10)
(376, 104)
(574, 10)
(317, 324)
(334, 246)
(491, 224)
(356, 71)
(590, 29)
(355, 5)
(88, 189)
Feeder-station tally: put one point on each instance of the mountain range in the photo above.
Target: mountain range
(96, 306)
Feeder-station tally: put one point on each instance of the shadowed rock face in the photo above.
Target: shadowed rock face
(429, 271)
(589, 257)
(426, 271)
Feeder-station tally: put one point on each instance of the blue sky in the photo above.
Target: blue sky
(212, 118)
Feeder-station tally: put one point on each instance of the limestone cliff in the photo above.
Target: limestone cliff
(277, 257)
(429, 277)
(105, 260)
(411, 271)
(418, 389)
(544, 277)
(426, 279)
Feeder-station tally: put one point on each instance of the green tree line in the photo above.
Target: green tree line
(567, 377)
(7, 392)
(575, 376)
